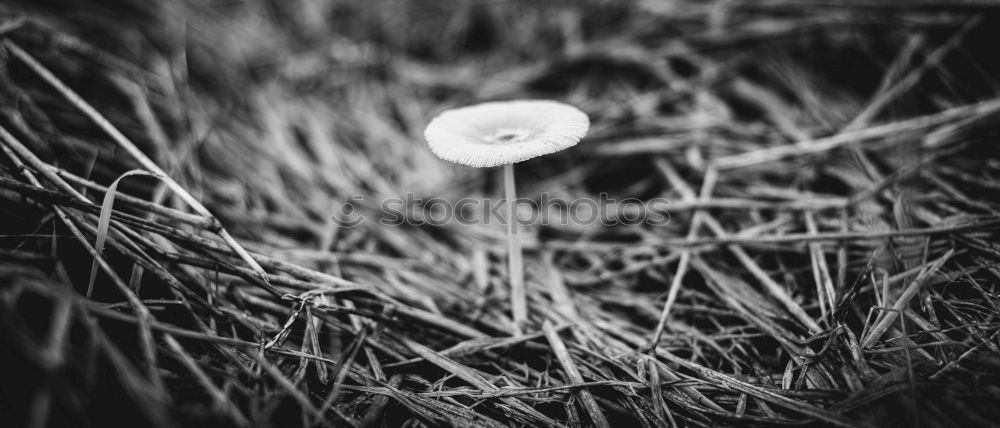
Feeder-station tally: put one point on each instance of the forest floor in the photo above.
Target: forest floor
(171, 174)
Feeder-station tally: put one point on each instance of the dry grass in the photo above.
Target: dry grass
(832, 257)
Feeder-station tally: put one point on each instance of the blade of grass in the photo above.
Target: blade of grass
(107, 206)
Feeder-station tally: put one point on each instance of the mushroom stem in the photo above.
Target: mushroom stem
(518, 298)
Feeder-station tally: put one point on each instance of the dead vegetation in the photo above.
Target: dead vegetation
(832, 257)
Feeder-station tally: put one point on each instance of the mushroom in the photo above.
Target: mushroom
(504, 133)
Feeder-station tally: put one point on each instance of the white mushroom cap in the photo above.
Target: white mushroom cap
(502, 132)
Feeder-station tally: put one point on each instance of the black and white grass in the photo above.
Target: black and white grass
(168, 171)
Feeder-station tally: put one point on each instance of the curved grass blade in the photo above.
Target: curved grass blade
(107, 206)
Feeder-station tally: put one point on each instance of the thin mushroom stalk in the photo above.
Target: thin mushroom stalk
(515, 261)
(504, 133)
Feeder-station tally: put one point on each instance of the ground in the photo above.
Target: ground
(175, 175)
